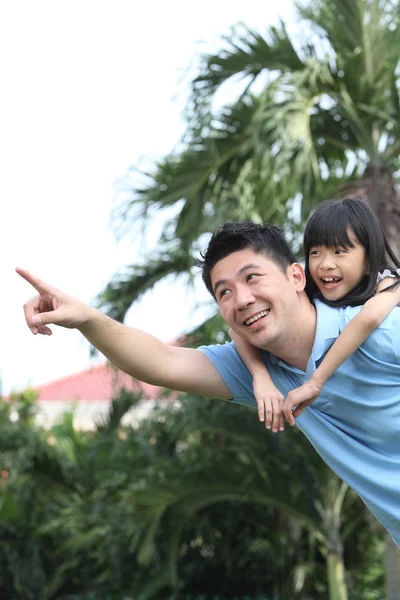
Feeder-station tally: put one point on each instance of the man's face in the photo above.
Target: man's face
(257, 300)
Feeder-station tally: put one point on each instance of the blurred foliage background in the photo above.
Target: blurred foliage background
(198, 502)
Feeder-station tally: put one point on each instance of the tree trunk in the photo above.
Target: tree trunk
(336, 577)
(392, 569)
(378, 188)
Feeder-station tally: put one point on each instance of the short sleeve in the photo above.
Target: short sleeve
(233, 371)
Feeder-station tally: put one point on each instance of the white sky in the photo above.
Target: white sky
(88, 88)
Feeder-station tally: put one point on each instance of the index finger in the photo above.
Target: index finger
(39, 285)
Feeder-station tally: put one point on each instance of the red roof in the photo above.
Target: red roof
(101, 382)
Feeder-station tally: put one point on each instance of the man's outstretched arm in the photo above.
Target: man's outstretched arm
(136, 352)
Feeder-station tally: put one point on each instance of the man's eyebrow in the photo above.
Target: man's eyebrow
(240, 272)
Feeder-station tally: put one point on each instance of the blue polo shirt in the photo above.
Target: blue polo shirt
(355, 423)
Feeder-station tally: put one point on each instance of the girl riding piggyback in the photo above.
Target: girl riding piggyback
(348, 262)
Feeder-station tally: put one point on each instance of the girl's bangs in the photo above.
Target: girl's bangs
(330, 230)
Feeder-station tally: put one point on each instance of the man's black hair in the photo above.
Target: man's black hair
(235, 236)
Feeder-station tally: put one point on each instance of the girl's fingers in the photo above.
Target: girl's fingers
(281, 422)
(261, 410)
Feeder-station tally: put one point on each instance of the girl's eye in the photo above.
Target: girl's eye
(314, 252)
(340, 251)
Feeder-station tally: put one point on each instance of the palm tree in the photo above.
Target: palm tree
(318, 115)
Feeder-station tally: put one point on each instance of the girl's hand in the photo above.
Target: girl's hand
(297, 400)
(269, 402)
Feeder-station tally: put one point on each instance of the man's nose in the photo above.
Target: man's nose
(244, 298)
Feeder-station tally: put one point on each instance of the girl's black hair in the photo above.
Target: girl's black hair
(330, 225)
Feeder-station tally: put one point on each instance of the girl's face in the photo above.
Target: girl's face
(336, 271)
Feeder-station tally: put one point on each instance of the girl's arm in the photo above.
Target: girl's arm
(353, 335)
(269, 399)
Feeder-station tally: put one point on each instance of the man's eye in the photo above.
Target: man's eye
(223, 293)
(251, 276)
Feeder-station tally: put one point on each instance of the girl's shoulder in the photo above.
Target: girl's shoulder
(395, 273)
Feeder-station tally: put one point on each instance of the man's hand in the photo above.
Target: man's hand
(297, 400)
(51, 306)
(269, 402)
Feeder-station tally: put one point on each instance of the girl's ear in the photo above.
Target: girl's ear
(298, 276)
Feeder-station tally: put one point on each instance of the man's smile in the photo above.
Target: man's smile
(256, 317)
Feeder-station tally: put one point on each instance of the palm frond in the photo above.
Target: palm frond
(127, 287)
(246, 53)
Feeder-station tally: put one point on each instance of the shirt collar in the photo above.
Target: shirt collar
(326, 333)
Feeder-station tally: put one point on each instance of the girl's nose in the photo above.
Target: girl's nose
(328, 261)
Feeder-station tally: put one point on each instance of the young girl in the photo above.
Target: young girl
(347, 255)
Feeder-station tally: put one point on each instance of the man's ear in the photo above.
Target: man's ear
(298, 276)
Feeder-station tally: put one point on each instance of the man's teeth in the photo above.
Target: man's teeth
(256, 317)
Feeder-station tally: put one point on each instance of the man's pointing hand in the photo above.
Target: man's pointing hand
(51, 306)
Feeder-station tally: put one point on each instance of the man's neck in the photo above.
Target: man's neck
(297, 346)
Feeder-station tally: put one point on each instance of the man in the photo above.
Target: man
(259, 287)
